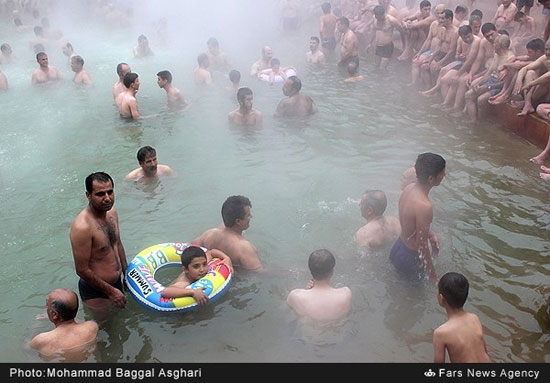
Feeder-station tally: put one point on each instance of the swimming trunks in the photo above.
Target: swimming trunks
(88, 292)
(406, 260)
(526, 3)
(495, 84)
(345, 63)
(439, 55)
(329, 43)
(384, 51)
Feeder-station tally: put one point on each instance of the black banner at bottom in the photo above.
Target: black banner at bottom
(211, 372)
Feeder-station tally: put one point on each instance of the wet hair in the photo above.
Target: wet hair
(142, 38)
(274, 62)
(326, 7)
(503, 32)
(78, 59)
(487, 27)
(536, 45)
(376, 200)
(129, 79)
(425, 3)
(464, 30)
(191, 253)
(17, 22)
(4, 47)
(379, 10)
(321, 263)
(344, 20)
(233, 209)
(353, 60)
(40, 54)
(38, 30)
(165, 75)
(296, 83)
(202, 58)
(213, 42)
(119, 68)
(315, 38)
(448, 14)
(65, 310)
(234, 76)
(144, 152)
(461, 9)
(454, 288)
(477, 12)
(428, 164)
(99, 177)
(474, 18)
(242, 93)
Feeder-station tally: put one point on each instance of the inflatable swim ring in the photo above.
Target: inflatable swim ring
(140, 277)
(265, 77)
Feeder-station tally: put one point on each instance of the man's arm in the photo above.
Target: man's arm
(248, 257)
(120, 246)
(472, 55)
(281, 109)
(134, 112)
(439, 347)
(423, 221)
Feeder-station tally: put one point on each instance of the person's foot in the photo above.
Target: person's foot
(545, 176)
(404, 56)
(446, 108)
(517, 104)
(426, 93)
(456, 114)
(497, 101)
(437, 106)
(539, 160)
(545, 169)
(526, 110)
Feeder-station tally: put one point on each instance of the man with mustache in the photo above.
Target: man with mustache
(149, 167)
(99, 256)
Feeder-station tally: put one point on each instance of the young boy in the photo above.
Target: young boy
(320, 301)
(194, 262)
(462, 334)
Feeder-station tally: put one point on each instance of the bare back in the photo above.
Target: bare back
(323, 304)
(71, 339)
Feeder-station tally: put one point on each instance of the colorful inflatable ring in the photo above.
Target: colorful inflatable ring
(140, 278)
(265, 77)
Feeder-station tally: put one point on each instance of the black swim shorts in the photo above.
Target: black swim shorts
(384, 51)
(88, 292)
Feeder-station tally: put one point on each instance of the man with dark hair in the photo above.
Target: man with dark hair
(349, 42)
(229, 237)
(462, 335)
(126, 101)
(504, 16)
(99, 256)
(45, 73)
(201, 74)
(320, 301)
(315, 55)
(235, 78)
(296, 104)
(411, 253)
(142, 49)
(218, 59)
(416, 29)
(460, 16)
(245, 114)
(80, 74)
(149, 168)
(327, 27)
(173, 94)
(68, 335)
(121, 69)
(6, 55)
(382, 37)
(379, 230)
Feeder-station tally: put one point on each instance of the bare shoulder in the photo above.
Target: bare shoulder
(345, 292)
(136, 173)
(82, 222)
(40, 340)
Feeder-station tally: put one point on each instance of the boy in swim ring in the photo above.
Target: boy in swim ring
(276, 70)
(321, 301)
(462, 335)
(194, 263)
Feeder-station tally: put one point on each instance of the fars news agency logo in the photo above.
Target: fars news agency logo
(429, 373)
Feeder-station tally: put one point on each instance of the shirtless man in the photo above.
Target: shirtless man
(491, 82)
(80, 75)
(320, 301)
(201, 74)
(149, 168)
(315, 55)
(69, 338)
(296, 104)
(462, 335)
(504, 16)
(263, 63)
(245, 115)
(6, 57)
(142, 49)
(525, 31)
(416, 29)
(98, 253)
(218, 59)
(20, 27)
(118, 87)
(353, 71)
(173, 94)
(229, 236)
(126, 101)
(379, 230)
(327, 28)
(411, 252)
(383, 26)
(348, 44)
(3, 82)
(44, 74)
(460, 16)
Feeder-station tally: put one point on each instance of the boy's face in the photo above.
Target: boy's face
(197, 269)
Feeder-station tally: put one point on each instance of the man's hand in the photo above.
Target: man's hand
(117, 297)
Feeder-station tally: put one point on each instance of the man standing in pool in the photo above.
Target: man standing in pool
(45, 73)
(126, 101)
(99, 256)
(296, 104)
(118, 87)
(411, 253)
(245, 115)
(229, 236)
(149, 168)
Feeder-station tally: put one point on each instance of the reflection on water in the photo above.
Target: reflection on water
(304, 178)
